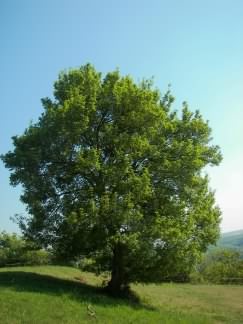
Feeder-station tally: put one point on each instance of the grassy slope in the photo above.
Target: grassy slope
(52, 294)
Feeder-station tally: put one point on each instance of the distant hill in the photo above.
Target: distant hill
(232, 240)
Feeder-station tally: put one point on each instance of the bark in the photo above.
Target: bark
(117, 285)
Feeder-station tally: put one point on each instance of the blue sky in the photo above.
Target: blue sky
(194, 45)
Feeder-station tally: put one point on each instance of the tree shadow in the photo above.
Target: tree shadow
(40, 283)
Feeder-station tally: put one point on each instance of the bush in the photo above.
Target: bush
(37, 257)
(14, 250)
(219, 266)
(11, 248)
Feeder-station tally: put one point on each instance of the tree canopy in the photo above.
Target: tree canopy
(110, 171)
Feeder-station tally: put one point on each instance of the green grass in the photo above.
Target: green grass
(53, 294)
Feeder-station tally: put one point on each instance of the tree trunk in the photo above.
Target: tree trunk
(117, 285)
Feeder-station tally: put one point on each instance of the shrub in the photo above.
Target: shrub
(219, 266)
(37, 257)
(14, 250)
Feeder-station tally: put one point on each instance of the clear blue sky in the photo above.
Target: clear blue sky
(196, 45)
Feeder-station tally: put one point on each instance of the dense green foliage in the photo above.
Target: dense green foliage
(220, 266)
(58, 295)
(15, 250)
(111, 172)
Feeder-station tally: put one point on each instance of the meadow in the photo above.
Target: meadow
(58, 294)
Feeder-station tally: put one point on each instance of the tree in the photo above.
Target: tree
(111, 172)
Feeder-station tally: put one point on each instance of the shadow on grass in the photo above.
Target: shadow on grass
(33, 282)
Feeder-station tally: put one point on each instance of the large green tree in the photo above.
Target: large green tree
(111, 172)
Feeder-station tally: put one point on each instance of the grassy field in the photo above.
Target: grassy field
(53, 294)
